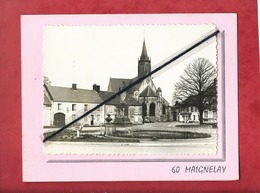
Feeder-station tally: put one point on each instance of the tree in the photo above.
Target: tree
(197, 86)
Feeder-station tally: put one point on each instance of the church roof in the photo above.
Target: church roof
(116, 83)
(130, 101)
(144, 55)
(135, 87)
(148, 92)
(66, 94)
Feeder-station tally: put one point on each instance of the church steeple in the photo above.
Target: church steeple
(144, 55)
(144, 63)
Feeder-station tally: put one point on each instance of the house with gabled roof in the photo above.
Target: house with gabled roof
(154, 106)
(68, 104)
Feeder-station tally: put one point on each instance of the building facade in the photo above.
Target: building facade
(191, 114)
(67, 104)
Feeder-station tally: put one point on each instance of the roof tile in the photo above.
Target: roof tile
(130, 101)
(65, 94)
(148, 92)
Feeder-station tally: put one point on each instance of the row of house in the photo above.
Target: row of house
(62, 105)
(191, 115)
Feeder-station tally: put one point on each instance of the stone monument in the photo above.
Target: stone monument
(122, 123)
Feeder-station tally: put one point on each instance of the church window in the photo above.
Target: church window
(163, 109)
(152, 109)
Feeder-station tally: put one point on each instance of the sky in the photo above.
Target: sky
(88, 55)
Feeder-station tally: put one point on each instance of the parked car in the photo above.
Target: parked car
(146, 120)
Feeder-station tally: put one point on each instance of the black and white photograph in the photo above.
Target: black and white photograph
(130, 89)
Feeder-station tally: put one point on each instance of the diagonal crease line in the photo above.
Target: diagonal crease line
(185, 51)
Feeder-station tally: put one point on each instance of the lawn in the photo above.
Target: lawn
(125, 137)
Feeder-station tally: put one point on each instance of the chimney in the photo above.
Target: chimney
(74, 86)
(96, 88)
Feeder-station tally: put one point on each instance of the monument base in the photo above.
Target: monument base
(120, 125)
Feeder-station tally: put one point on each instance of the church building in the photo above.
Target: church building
(154, 106)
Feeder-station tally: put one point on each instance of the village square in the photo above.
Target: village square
(140, 114)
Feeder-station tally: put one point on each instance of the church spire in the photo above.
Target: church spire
(144, 55)
(144, 63)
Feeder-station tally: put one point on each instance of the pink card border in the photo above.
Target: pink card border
(40, 167)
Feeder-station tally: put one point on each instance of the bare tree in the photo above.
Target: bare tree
(197, 86)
